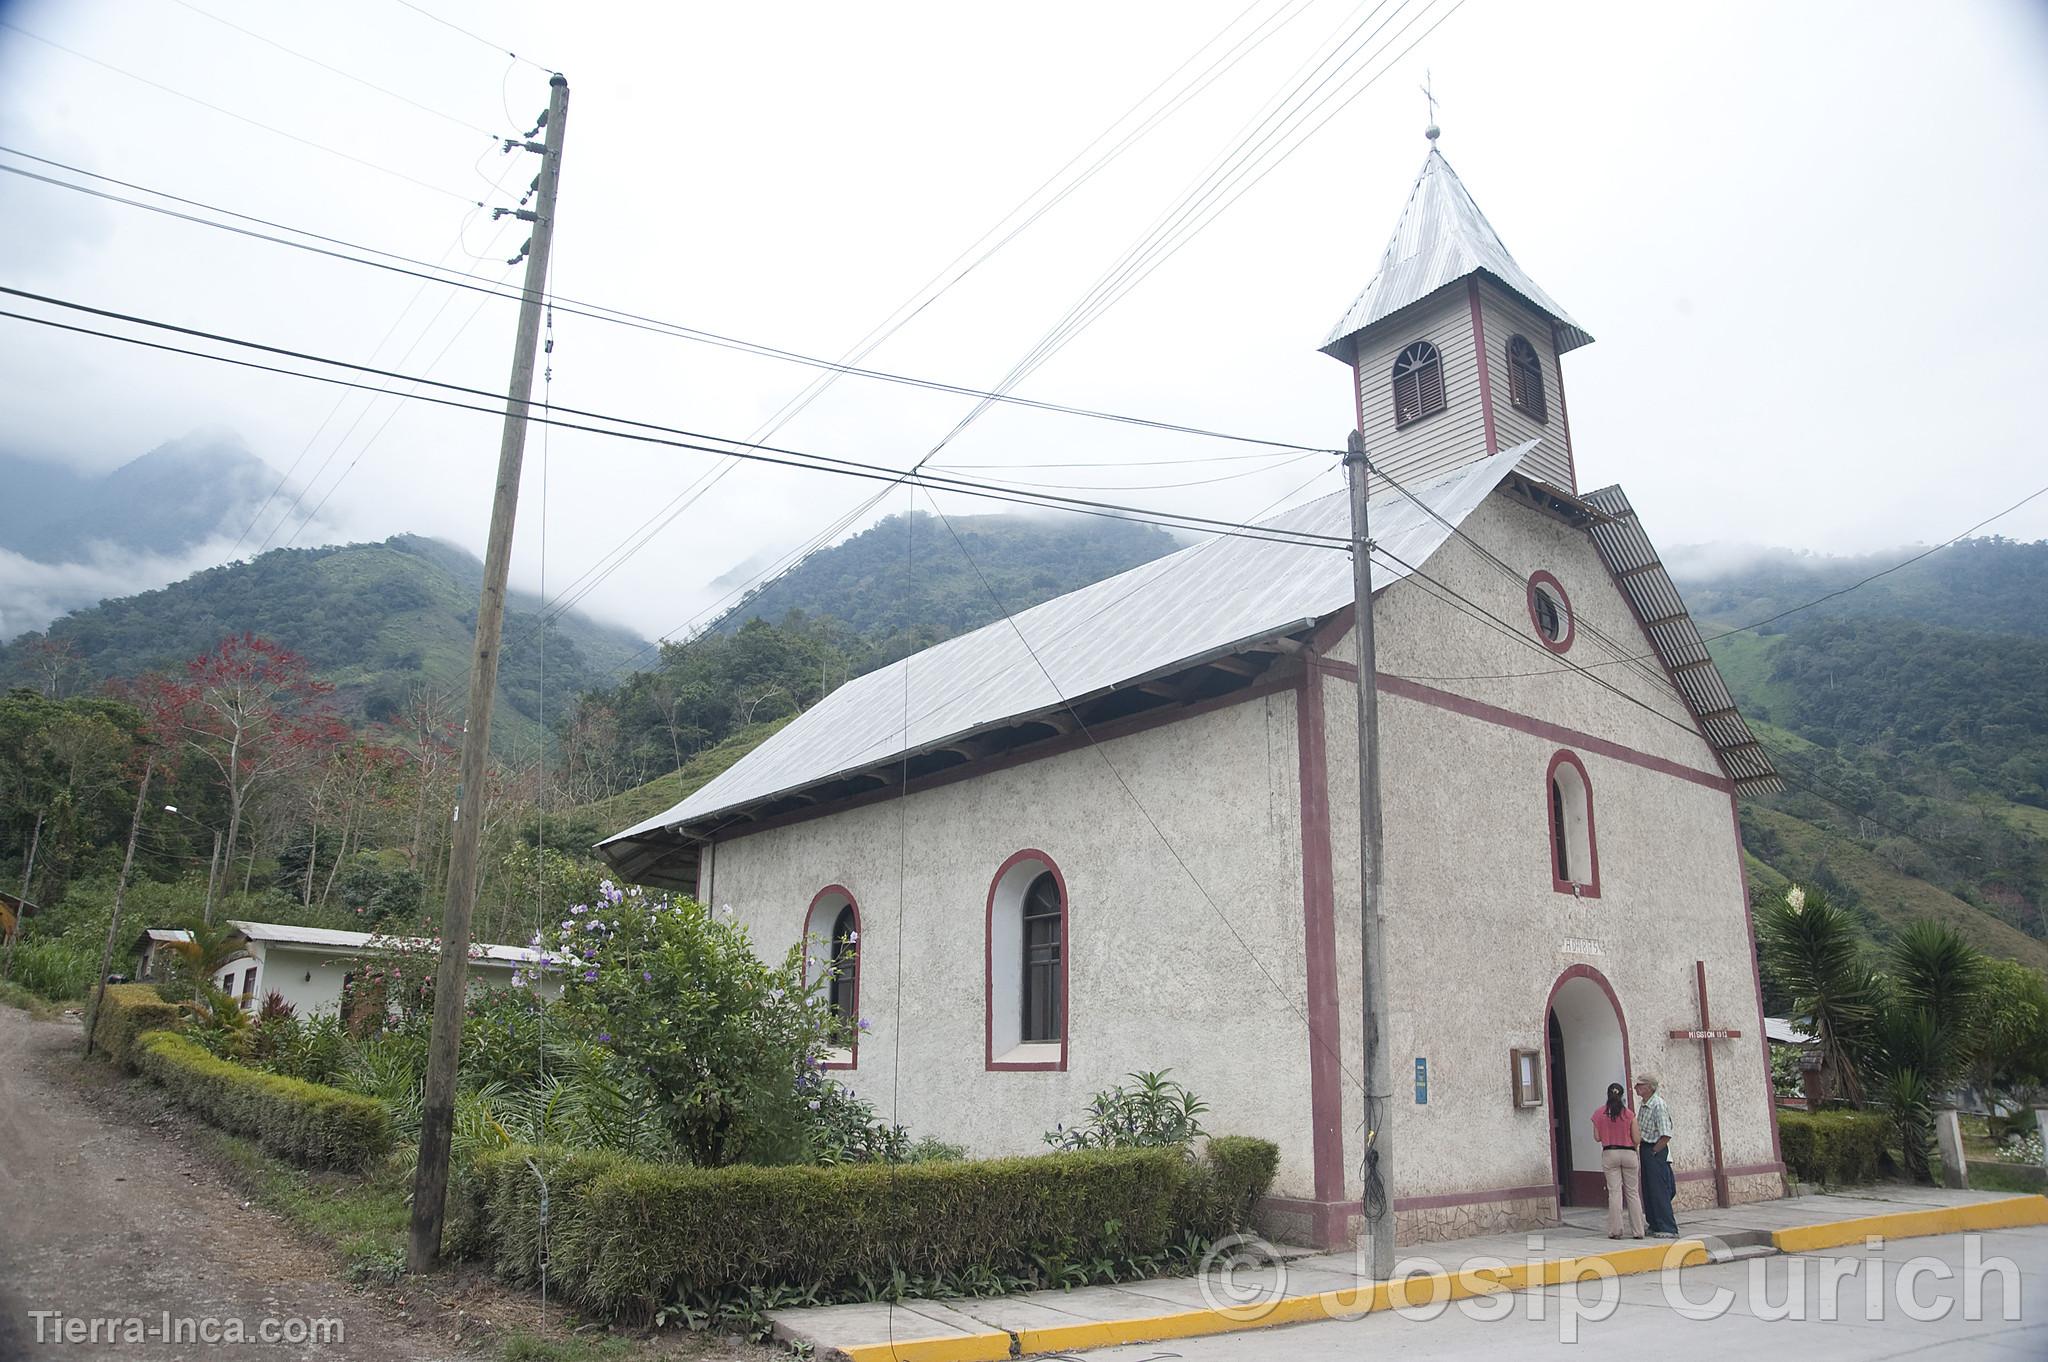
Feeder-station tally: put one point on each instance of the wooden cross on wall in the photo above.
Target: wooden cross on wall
(1706, 1033)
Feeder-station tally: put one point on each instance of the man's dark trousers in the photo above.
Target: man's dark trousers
(1658, 1186)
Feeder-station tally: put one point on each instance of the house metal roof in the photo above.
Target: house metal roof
(1209, 600)
(1441, 238)
(327, 938)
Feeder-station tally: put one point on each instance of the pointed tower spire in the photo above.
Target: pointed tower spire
(1441, 238)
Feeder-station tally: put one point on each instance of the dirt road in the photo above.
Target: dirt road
(109, 1216)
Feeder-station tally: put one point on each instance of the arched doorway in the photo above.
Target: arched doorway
(1586, 1048)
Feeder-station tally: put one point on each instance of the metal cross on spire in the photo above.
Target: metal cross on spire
(1432, 132)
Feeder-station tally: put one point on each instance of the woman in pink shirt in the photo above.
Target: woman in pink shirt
(1614, 1125)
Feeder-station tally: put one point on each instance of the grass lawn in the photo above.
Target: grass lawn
(364, 1218)
(37, 1006)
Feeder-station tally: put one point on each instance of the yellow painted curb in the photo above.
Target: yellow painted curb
(1420, 1289)
(2009, 1213)
(1428, 1288)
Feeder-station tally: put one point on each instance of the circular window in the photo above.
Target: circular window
(1550, 610)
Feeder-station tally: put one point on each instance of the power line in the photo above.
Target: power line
(238, 117)
(499, 48)
(690, 440)
(598, 312)
(336, 70)
(1950, 542)
(934, 289)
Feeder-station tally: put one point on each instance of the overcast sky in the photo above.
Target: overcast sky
(1807, 237)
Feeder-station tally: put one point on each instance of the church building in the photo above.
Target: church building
(1119, 830)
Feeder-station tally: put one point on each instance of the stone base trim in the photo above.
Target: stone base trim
(1333, 1225)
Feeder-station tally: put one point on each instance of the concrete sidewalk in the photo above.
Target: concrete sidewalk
(1304, 1286)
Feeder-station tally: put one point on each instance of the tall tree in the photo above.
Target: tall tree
(252, 711)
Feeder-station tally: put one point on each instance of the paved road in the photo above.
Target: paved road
(1830, 1316)
(105, 1217)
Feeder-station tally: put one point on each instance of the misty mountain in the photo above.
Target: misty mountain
(378, 620)
(1909, 717)
(69, 539)
(176, 496)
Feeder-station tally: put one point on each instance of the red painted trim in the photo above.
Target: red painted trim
(1571, 619)
(1485, 378)
(1488, 1197)
(1590, 890)
(860, 941)
(1549, 1060)
(1564, 412)
(1319, 929)
(1327, 634)
(1051, 747)
(1713, 1092)
(988, 966)
(1543, 728)
(1756, 978)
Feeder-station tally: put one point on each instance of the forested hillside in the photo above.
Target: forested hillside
(1910, 718)
(906, 583)
(379, 621)
(903, 585)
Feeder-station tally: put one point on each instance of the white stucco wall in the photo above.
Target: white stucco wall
(310, 978)
(1477, 934)
(1156, 977)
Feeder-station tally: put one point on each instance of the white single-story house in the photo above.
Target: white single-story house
(310, 967)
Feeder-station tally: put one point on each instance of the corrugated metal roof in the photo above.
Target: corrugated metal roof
(1441, 237)
(1202, 601)
(1633, 561)
(328, 938)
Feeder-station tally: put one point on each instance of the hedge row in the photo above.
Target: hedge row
(128, 1011)
(303, 1122)
(627, 1237)
(1833, 1147)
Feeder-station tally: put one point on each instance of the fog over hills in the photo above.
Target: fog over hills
(69, 539)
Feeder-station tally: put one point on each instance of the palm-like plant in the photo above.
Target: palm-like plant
(208, 946)
(1811, 948)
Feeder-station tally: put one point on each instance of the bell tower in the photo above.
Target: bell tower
(1453, 348)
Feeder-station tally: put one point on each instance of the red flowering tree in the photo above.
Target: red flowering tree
(251, 710)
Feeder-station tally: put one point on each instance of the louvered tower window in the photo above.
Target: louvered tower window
(1525, 379)
(1418, 383)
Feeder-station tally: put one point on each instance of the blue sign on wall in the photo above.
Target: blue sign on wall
(1421, 1081)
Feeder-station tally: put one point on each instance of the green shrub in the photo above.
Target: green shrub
(1833, 1147)
(627, 1237)
(293, 1119)
(53, 968)
(128, 1011)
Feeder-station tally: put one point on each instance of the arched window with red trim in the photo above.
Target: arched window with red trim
(1568, 809)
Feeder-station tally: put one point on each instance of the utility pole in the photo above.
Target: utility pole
(212, 878)
(21, 909)
(451, 980)
(1379, 1132)
(99, 991)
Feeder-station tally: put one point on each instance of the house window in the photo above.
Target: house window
(832, 959)
(1418, 383)
(1574, 856)
(1027, 964)
(1550, 611)
(1525, 379)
